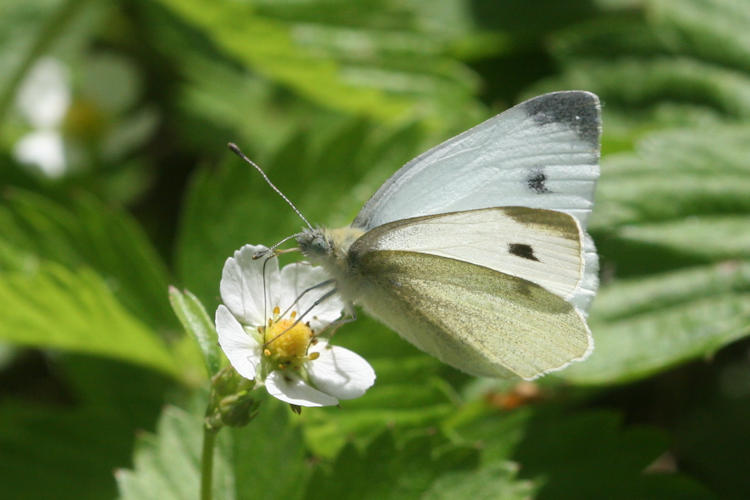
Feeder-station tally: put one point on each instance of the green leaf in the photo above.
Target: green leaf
(265, 459)
(86, 233)
(670, 226)
(270, 459)
(198, 325)
(386, 470)
(562, 454)
(660, 57)
(167, 464)
(709, 237)
(645, 325)
(496, 480)
(673, 175)
(384, 61)
(50, 306)
(711, 435)
(51, 449)
(567, 455)
(713, 29)
(49, 453)
(677, 79)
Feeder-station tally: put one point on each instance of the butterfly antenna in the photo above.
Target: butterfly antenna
(236, 150)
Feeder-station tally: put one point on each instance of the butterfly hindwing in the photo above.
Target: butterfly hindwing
(476, 319)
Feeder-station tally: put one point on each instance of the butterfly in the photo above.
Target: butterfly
(476, 251)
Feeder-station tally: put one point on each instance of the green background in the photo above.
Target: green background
(101, 391)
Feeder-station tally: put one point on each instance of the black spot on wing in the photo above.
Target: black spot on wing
(537, 182)
(578, 110)
(522, 250)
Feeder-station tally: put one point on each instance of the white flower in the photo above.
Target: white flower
(257, 331)
(43, 99)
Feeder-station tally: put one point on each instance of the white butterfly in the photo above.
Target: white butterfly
(476, 251)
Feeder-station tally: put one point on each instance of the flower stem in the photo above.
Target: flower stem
(207, 462)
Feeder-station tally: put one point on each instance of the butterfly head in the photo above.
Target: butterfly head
(314, 243)
(322, 245)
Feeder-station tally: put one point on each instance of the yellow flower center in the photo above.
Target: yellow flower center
(284, 343)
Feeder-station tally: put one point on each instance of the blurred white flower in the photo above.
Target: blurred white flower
(257, 331)
(43, 99)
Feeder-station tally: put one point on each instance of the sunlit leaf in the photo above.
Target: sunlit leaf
(53, 307)
(88, 233)
(660, 55)
(673, 175)
(645, 325)
(388, 65)
(709, 29)
(712, 237)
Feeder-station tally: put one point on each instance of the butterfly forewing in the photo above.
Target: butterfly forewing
(540, 246)
(542, 153)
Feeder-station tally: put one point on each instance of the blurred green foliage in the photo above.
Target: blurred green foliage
(330, 97)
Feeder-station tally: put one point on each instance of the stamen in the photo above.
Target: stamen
(294, 314)
(266, 352)
(313, 356)
(276, 311)
(305, 313)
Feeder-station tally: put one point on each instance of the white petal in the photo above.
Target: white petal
(290, 388)
(241, 349)
(298, 277)
(44, 96)
(242, 286)
(43, 148)
(339, 371)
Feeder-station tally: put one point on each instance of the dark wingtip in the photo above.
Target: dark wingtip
(578, 109)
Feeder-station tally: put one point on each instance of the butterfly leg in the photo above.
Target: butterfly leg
(333, 327)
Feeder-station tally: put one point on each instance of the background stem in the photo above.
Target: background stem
(207, 462)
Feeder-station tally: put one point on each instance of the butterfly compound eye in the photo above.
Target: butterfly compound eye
(313, 243)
